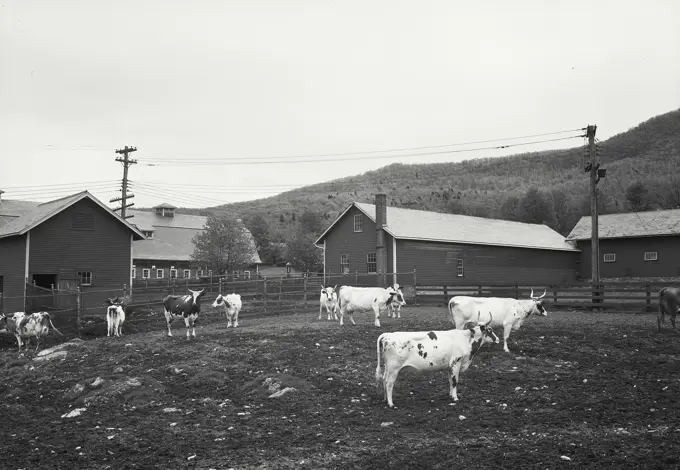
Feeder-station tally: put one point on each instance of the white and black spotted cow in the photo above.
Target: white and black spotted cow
(185, 306)
(26, 325)
(329, 300)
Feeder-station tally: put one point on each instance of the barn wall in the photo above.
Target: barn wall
(12, 266)
(342, 239)
(435, 264)
(104, 249)
(630, 257)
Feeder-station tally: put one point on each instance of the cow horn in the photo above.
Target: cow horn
(479, 316)
(532, 294)
(545, 291)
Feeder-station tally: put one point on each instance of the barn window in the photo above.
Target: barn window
(651, 256)
(186, 273)
(459, 267)
(160, 273)
(134, 271)
(358, 223)
(82, 221)
(210, 272)
(199, 273)
(85, 278)
(246, 274)
(371, 263)
(173, 273)
(147, 233)
(235, 275)
(344, 264)
(610, 257)
(146, 273)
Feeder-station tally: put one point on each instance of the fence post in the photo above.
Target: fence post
(124, 290)
(79, 308)
(304, 288)
(264, 293)
(516, 291)
(173, 286)
(356, 278)
(554, 294)
(219, 286)
(446, 295)
(479, 291)
(648, 294)
(415, 288)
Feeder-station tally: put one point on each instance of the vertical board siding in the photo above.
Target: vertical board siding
(630, 257)
(57, 248)
(344, 240)
(435, 264)
(12, 265)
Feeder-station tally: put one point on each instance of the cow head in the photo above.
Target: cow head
(537, 306)
(396, 295)
(3, 321)
(221, 300)
(112, 301)
(330, 292)
(482, 332)
(196, 296)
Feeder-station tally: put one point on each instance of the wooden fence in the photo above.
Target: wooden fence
(611, 295)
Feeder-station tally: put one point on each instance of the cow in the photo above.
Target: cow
(185, 306)
(430, 351)
(395, 306)
(353, 299)
(232, 306)
(669, 303)
(508, 312)
(329, 300)
(26, 325)
(115, 317)
(124, 301)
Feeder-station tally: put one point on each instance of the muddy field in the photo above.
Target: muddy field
(578, 390)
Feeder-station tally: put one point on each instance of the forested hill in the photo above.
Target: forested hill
(542, 187)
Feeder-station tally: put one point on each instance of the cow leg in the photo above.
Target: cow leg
(194, 319)
(187, 323)
(342, 315)
(376, 310)
(229, 317)
(454, 373)
(399, 311)
(390, 380)
(19, 341)
(321, 310)
(168, 320)
(660, 318)
(673, 320)
(236, 318)
(506, 333)
(37, 343)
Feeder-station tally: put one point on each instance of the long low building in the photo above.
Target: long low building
(446, 249)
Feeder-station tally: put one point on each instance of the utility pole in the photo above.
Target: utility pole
(126, 161)
(593, 166)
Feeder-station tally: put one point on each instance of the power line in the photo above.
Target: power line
(58, 184)
(404, 149)
(251, 161)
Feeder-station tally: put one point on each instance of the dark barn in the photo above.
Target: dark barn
(61, 244)
(634, 244)
(445, 249)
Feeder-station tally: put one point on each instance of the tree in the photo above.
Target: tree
(302, 253)
(536, 208)
(637, 197)
(510, 209)
(310, 222)
(259, 228)
(566, 215)
(667, 193)
(224, 245)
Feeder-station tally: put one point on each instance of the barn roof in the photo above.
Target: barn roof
(630, 224)
(410, 224)
(19, 217)
(172, 237)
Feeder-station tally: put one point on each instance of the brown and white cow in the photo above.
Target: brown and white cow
(669, 303)
(115, 317)
(507, 312)
(329, 300)
(232, 305)
(352, 299)
(185, 306)
(430, 351)
(28, 325)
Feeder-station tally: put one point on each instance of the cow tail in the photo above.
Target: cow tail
(378, 375)
(452, 305)
(52, 324)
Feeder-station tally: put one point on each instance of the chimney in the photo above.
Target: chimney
(1, 193)
(380, 248)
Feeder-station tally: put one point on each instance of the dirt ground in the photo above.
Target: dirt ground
(578, 390)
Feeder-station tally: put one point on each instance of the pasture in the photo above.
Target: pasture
(578, 390)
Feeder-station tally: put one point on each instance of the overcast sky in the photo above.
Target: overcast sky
(254, 80)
